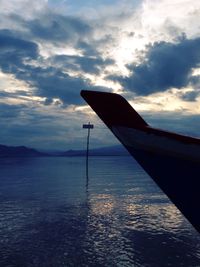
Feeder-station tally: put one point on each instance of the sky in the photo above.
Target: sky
(147, 50)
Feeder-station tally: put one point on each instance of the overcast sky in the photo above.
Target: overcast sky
(147, 50)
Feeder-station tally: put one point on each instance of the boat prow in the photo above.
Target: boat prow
(172, 160)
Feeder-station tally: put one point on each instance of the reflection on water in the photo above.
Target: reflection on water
(49, 218)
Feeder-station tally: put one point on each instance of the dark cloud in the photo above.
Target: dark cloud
(16, 55)
(195, 81)
(83, 63)
(23, 125)
(191, 96)
(58, 28)
(166, 65)
(14, 51)
(10, 111)
(53, 83)
(88, 49)
(55, 29)
(61, 31)
(19, 55)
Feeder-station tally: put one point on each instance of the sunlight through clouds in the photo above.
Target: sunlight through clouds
(170, 101)
(8, 83)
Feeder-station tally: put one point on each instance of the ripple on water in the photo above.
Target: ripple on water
(48, 218)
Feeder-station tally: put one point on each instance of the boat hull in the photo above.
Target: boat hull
(182, 178)
(172, 160)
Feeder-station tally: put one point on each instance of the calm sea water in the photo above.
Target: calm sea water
(50, 216)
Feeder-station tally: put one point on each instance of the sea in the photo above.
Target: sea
(53, 215)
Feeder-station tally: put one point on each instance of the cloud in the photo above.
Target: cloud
(56, 28)
(54, 83)
(16, 56)
(24, 8)
(50, 50)
(48, 127)
(166, 65)
(191, 96)
(85, 64)
(157, 16)
(10, 111)
(14, 51)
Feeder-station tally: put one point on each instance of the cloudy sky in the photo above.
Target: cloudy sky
(146, 50)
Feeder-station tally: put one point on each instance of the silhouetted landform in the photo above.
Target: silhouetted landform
(104, 151)
(20, 151)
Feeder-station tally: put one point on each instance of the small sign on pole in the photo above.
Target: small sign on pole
(87, 126)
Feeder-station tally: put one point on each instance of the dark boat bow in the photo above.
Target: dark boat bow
(172, 160)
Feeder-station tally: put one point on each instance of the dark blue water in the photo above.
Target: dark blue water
(49, 217)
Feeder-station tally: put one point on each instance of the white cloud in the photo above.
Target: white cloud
(24, 8)
(8, 83)
(170, 101)
(183, 14)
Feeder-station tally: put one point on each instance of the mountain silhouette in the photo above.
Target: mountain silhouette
(19, 151)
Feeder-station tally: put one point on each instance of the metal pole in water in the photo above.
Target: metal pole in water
(87, 126)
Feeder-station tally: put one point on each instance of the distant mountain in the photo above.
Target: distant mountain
(19, 151)
(22, 151)
(104, 151)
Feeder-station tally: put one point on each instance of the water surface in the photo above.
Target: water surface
(51, 216)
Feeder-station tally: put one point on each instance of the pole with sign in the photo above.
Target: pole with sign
(87, 126)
